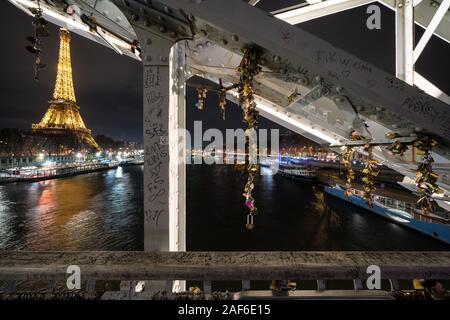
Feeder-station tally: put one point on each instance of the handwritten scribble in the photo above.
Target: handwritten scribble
(155, 154)
(156, 130)
(394, 83)
(153, 216)
(287, 34)
(324, 57)
(155, 188)
(371, 83)
(346, 73)
(421, 106)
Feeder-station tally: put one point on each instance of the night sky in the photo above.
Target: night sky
(108, 87)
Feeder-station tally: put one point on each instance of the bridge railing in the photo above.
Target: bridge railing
(210, 266)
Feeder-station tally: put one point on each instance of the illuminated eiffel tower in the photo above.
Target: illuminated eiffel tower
(62, 121)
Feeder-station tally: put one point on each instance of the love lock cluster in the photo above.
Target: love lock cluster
(347, 163)
(248, 69)
(222, 95)
(426, 179)
(201, 92)
(369, 173)
(222, 101)
(36, 44)
(397, 148)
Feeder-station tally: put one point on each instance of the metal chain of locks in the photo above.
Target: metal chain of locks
(397, 148)
(426, 179)
(201, 92)
(36, 44)
(369, 173)
(248, 69)
(347, 163)
(222, 95)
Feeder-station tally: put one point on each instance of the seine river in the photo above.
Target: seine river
(103, 211)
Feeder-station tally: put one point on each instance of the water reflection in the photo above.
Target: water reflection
(98, 211)
(292, 216)
(103, 211)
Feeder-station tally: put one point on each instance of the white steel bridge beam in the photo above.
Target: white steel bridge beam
(437, 18)
(360, 79)
(404, 41)
(318, 10)
(164, 165)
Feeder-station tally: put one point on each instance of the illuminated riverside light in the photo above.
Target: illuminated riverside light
(98, 154)
(79, 155)
(48, 163)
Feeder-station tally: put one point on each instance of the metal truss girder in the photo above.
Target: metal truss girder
(404, 41)
(320, 58)
(54, 13)
(423, 13)
(434, 23)
(317, 10)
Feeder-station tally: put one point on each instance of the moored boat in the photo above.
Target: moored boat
(405, 214)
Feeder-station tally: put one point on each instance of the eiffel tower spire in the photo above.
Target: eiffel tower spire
(63, 115)
(64, 82)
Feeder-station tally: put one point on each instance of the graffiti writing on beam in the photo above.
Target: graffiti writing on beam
(156, 149)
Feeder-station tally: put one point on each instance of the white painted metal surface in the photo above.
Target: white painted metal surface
(319, 9)
(429, 31)
(404, 41)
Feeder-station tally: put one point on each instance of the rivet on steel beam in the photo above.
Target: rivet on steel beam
(161, 18)
(163, 58)
(118, 19)
(234, 37)
(208, 43)
(167, 9)
(199, 46)
(276, 58)
(162, 29)
(105, 12)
